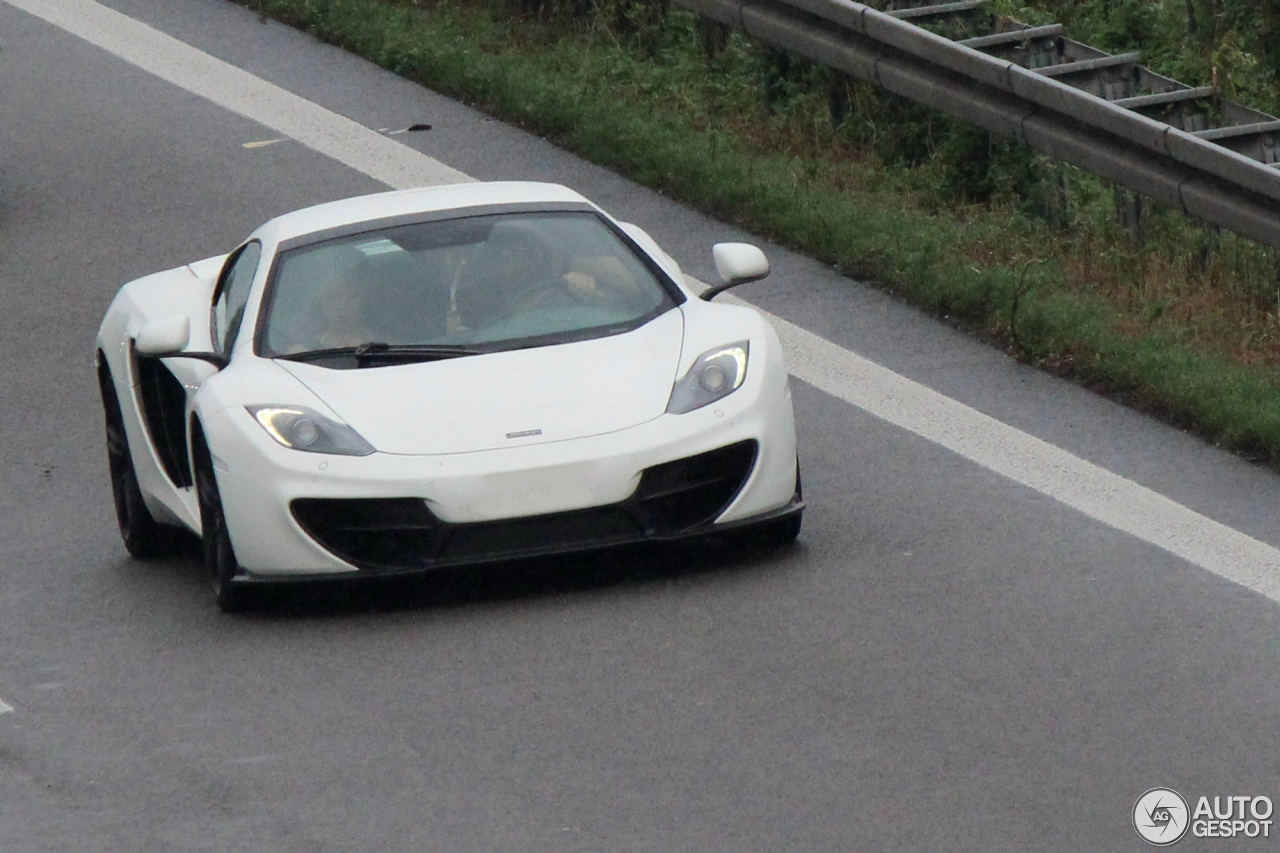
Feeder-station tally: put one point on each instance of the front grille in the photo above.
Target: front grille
(402, 533)
(540, 534)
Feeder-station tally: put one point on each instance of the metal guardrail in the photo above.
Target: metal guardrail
(1105, 114)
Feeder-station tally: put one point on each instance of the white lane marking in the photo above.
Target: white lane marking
(5, 708)
(166, 57)
(1088, 488)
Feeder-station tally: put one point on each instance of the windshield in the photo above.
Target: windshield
(477, 284)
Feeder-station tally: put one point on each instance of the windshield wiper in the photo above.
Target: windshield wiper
(377, 350)
(416, 352)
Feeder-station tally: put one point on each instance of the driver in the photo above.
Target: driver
(332, 319)
(341, 314)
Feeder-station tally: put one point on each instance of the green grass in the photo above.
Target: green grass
(731, 136)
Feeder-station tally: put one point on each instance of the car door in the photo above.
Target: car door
(170, 384)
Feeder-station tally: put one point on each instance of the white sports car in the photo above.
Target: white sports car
(436, 377)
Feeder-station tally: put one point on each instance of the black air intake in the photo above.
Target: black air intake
(690, 492)
(374, 533)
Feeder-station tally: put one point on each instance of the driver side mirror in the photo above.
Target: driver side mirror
(737, 263)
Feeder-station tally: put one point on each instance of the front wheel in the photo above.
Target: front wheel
(215, 542)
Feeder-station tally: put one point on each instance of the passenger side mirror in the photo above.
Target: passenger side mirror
(168, 338)
(737, 263)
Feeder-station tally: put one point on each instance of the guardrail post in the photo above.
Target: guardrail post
(1131, 215)
(839, 98)
(1213, 239)
(714, 37)
(1060, 195)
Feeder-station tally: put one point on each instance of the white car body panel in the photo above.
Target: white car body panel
(477, 403)
(455, 433)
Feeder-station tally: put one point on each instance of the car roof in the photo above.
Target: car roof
(335, 214)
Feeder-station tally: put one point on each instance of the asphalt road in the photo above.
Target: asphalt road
(948, 660)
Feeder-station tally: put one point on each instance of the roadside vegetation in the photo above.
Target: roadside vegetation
(1169, 316)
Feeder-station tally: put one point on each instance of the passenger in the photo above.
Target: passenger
(516, 273)
(606, 282)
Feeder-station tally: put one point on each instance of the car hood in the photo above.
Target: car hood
(506, 399)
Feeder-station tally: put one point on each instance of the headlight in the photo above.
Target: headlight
(300, 428)
(717, 373)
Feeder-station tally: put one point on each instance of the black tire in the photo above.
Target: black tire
(143, 536)
(216, 553)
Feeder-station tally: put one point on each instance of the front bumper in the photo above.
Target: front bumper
(296, 514)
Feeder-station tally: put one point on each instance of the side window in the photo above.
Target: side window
(233, 295)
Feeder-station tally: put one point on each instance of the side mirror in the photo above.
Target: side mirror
(737, 263)
(163, 337)
(168, 338)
